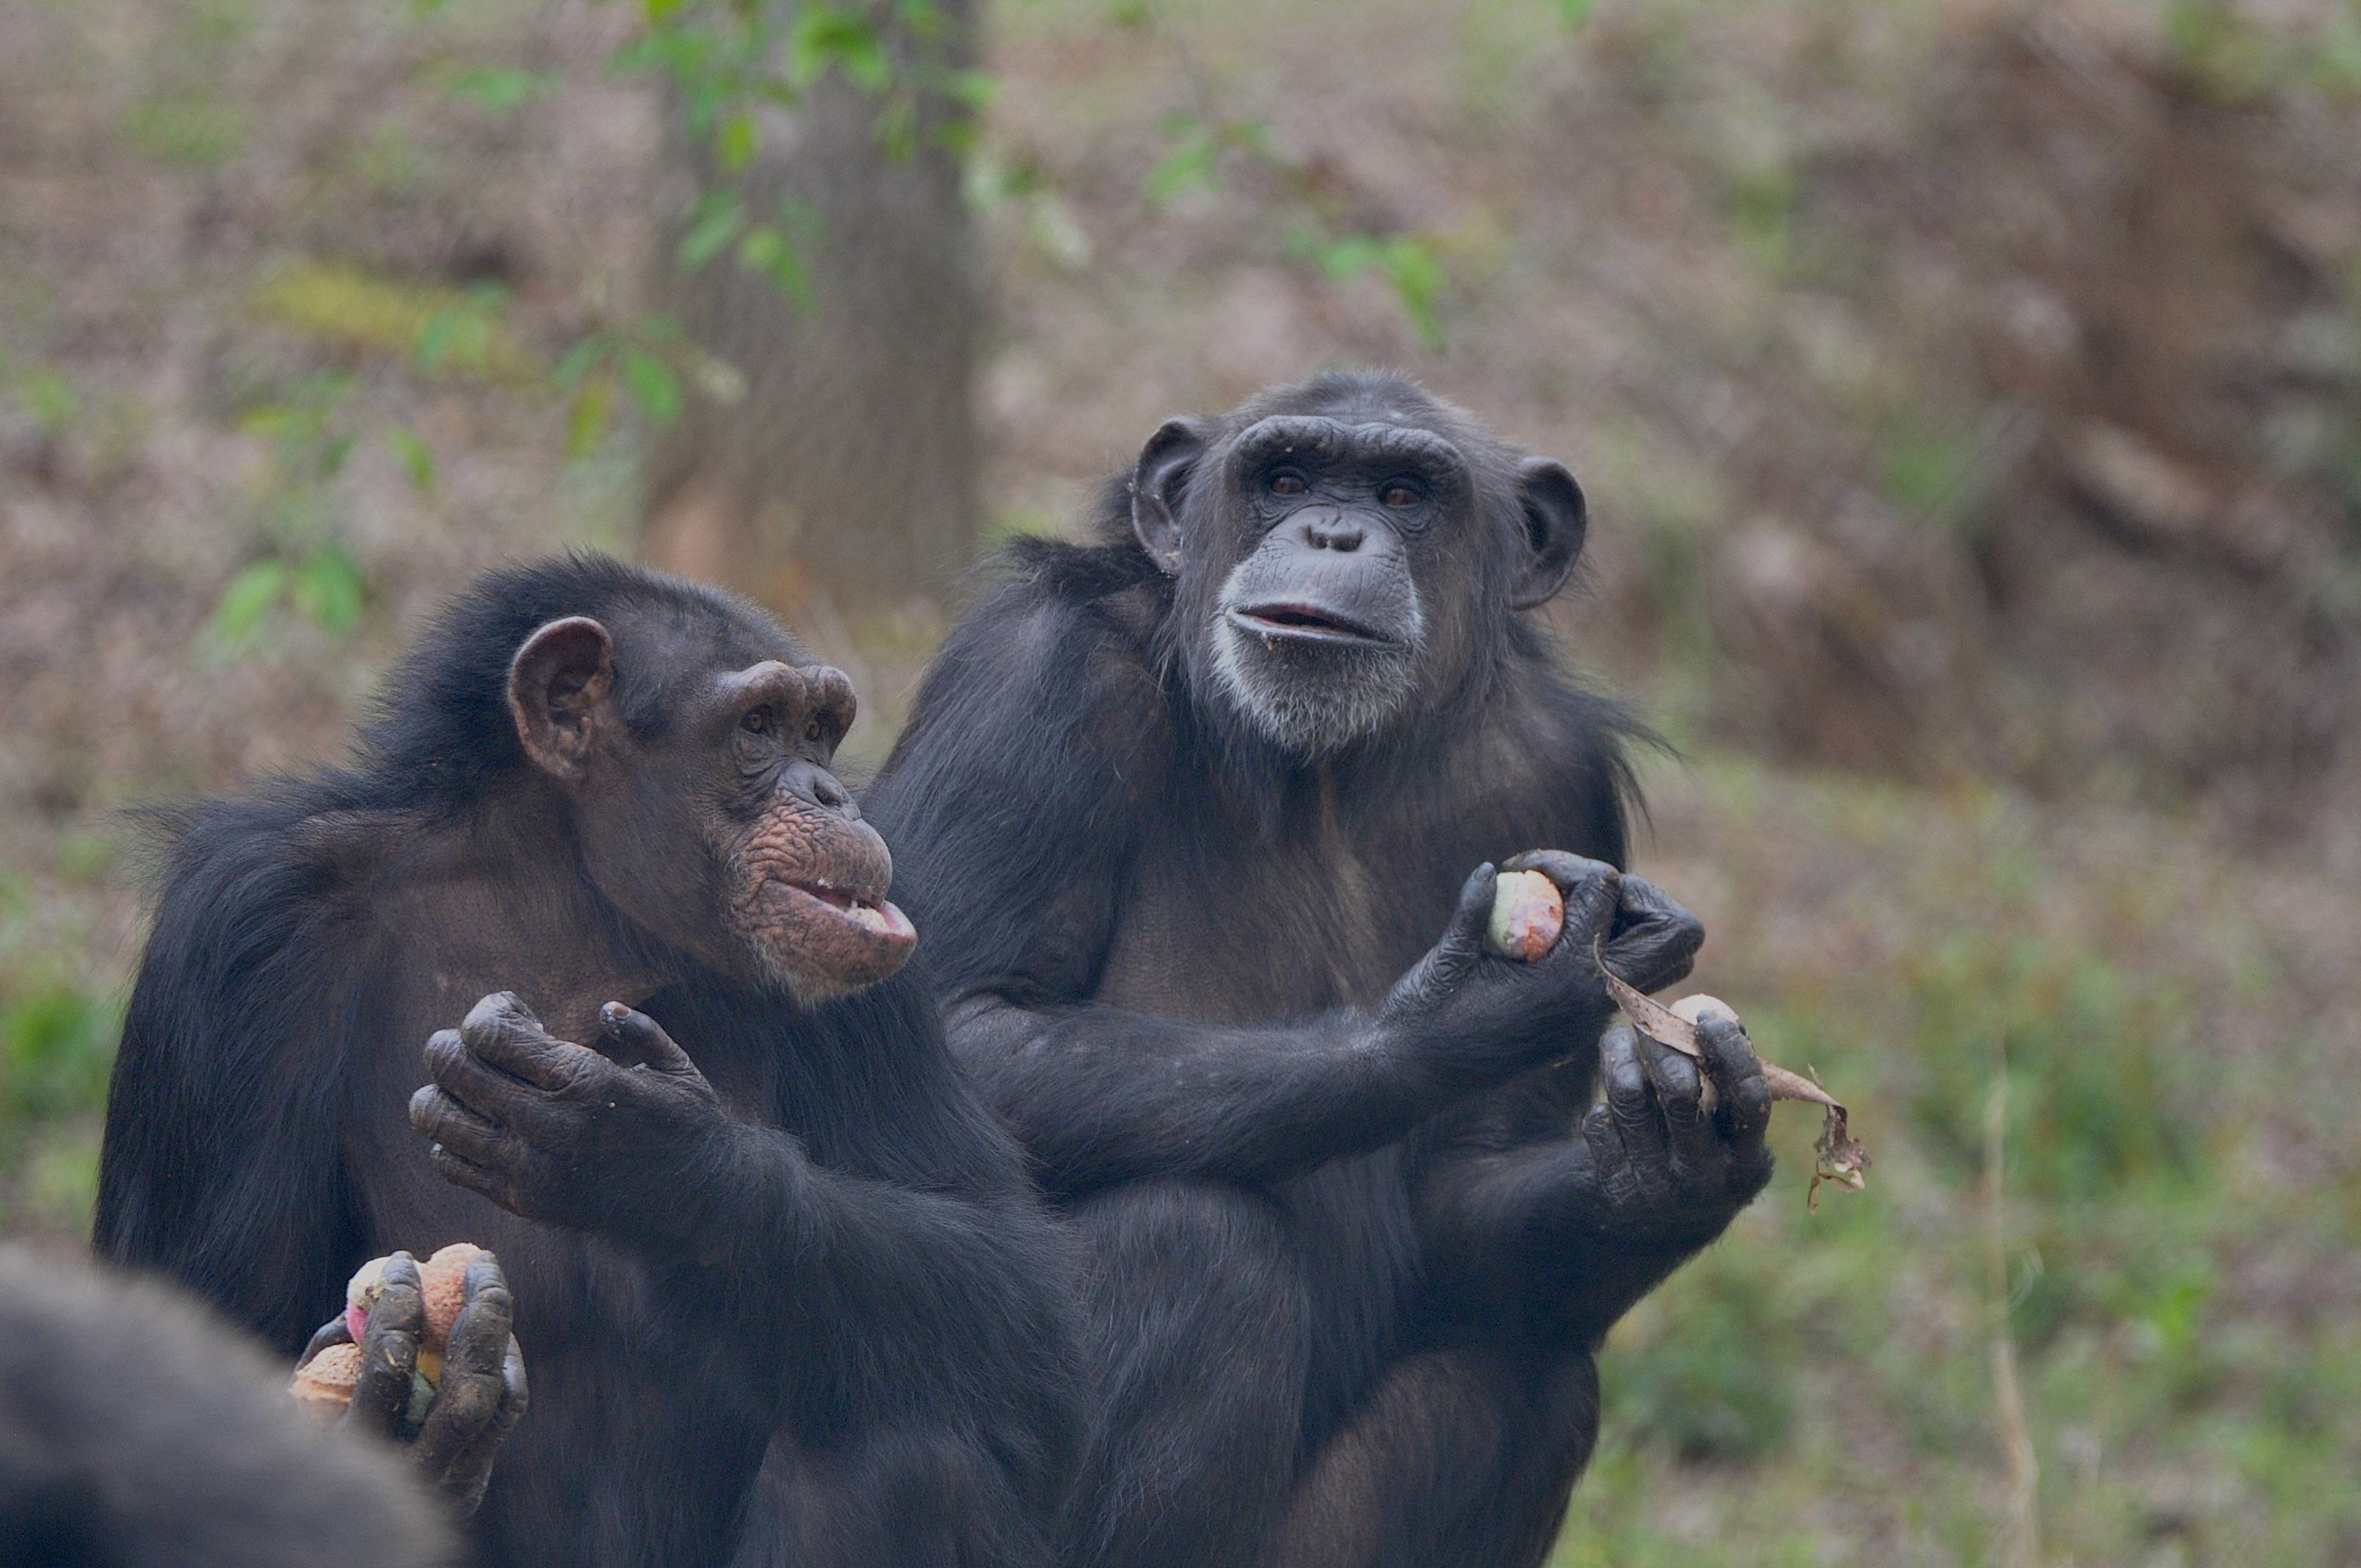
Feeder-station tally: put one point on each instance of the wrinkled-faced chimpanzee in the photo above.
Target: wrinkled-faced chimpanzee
(135, 1431)
(605, 786)
(1182, 809)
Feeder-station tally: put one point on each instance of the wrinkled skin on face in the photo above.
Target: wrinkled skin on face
(721, 834)
(1333, 562)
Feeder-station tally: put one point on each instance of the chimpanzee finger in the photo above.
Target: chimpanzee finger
(469, 1397)
(1587, 886)
(1737, 1074)
(1680, 1093)
(498, 1186)
(1646, 1159)
(1655, 941)
(333, 1331)
(645, 1039)
(503, 1030)
(451, 1126)
(397, 1321)
(466, 1477)
(466, 1076)
(1647, 1164)
(1628, 1098)
(1462, 942)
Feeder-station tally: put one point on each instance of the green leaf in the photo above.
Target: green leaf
(251, 594)
(720, 214)
(326, 586)
(1418, 276)
(767, 251)
(587, 416)
(580, 359)
(737, 142)
(652, 385)
(500, 89)
(417, 458)
(826, 36)
(1188, 166)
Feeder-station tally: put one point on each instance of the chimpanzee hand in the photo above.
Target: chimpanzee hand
(482, 1393)
(1652, 941)
(556, 1132)
(1464, 1000)
(1657, 1178)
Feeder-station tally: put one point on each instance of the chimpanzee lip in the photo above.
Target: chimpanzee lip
(871, 914)
(1299, 620)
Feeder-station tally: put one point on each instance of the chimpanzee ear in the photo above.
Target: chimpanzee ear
(1156, 486)
(1554, 521)
(559, 685)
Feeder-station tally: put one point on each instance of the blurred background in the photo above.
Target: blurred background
(1969, 397)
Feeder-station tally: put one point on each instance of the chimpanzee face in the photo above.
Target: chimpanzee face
(724, 834)
(1336, 562)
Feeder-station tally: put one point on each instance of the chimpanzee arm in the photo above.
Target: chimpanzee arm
(948, 1258)
(238, 1194)
(1572, 1231)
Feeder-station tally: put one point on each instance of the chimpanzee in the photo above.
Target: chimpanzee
(1177, 808)
(598, 783)
(136, 1431)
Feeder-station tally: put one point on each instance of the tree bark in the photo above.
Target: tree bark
(844, 479)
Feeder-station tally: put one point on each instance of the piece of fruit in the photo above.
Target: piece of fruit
(323, 1385)
(443, 1279)
(1527, 916)
(421, 1400)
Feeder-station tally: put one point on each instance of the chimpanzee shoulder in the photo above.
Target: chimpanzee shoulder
(228, 998)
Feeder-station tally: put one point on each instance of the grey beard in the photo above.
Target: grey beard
(1312, 700)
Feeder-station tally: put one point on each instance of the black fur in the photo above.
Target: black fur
(1161, 937)
(136, 1431)
(888, 1317)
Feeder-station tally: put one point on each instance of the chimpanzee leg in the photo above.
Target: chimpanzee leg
(1464, 1456)
(896, 1497)
(1197, 1341)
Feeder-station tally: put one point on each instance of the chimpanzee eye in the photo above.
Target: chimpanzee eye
(1399, 494)
(1288, 485)
(814, 730)
(756, 722)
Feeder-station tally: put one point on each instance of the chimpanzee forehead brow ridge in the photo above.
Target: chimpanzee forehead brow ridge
(1316, 438)
(667, 656)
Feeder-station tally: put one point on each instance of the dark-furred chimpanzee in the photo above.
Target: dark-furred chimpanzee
(1182, 809)
(137, 1432)
(592, 782)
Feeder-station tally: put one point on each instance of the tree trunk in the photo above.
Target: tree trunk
(843, 481)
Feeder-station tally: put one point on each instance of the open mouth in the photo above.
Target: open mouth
(1295, 621)
(871, 912)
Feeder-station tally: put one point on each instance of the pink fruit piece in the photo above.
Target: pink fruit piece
(443, 1279)
(1527, 916)
(356, 1322)
(324, 1386)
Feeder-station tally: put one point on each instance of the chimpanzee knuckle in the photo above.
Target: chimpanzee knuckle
(578, 1073)
(1626, 1093)
(494, 1015)
(1750, 1103)
(445, 1049)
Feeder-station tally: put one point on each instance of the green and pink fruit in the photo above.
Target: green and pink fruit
(1527, 916)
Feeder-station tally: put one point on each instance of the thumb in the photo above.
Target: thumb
(641, 1035)
(1463, 938)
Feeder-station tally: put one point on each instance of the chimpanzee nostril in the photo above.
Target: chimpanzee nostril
(821, 787)
(1340, 534)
